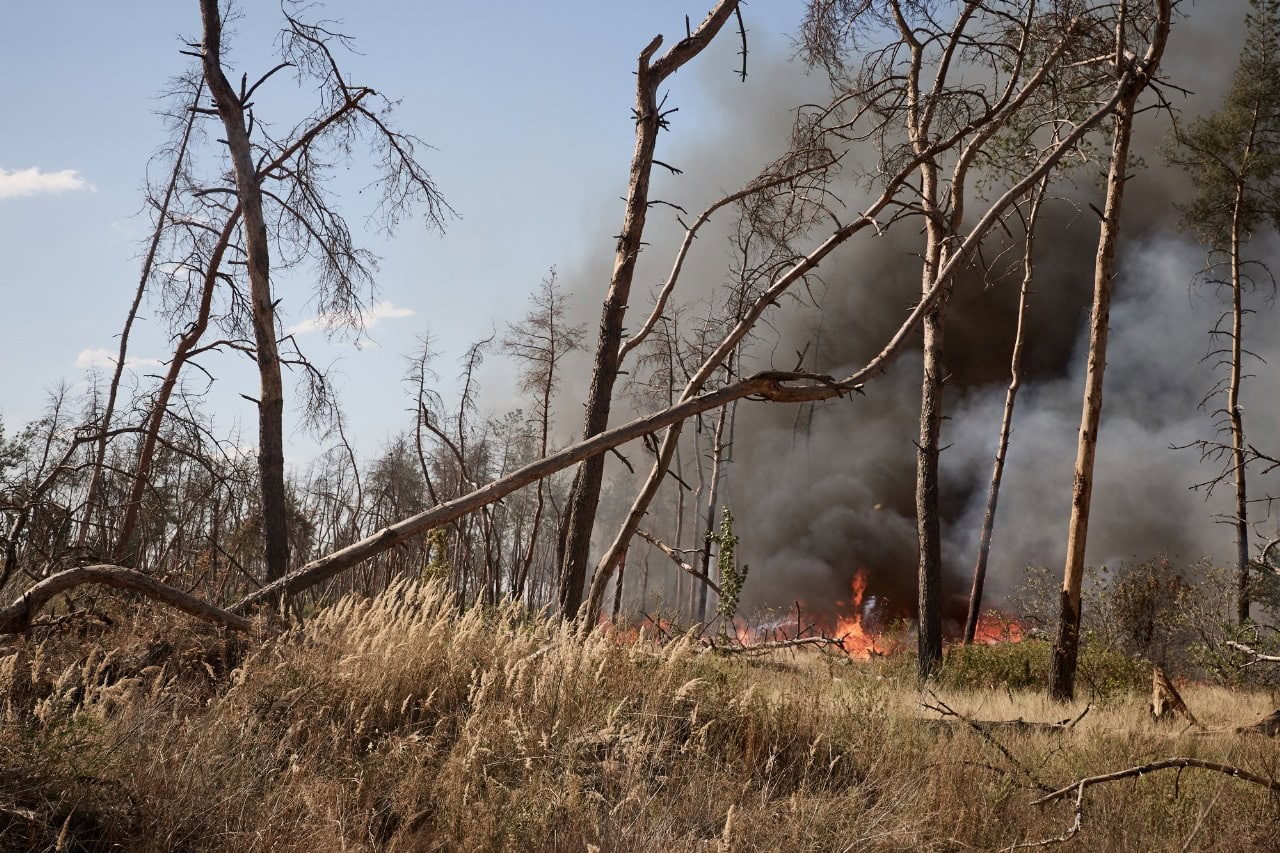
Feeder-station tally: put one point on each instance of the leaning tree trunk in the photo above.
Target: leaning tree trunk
(1066, 647)
(1006, 421)
(271, 395)
(148, 263)
(584, 498)
(126, 541)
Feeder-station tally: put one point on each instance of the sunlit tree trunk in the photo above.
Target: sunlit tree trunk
(1066, 647)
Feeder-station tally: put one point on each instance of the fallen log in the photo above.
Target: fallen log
(1267, 726)
(15, 618)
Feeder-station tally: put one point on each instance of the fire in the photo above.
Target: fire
(996, 627)
(857, 642)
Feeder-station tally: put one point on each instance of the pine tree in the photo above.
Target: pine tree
(1233, 157)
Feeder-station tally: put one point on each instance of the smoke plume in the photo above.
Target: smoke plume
(819, 492)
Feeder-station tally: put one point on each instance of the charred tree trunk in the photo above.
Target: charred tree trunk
(271, 395)
(1066, 647)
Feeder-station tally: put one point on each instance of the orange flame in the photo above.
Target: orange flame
(996, 627)
(857, 642)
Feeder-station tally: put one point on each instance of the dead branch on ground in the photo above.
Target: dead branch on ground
(1164, 764)
(16, 618)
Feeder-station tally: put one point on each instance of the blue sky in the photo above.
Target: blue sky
(526, 104)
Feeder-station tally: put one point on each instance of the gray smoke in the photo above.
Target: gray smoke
(822, 492)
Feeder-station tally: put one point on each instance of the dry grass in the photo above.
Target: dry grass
(398, 725)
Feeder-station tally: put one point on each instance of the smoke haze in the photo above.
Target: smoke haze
(820, 493)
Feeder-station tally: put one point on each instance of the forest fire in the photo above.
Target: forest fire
(857, 626)
(857, 642)
(995, 627)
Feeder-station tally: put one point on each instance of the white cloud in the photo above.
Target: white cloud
(27, 182)
(102, 358)
(327, 322)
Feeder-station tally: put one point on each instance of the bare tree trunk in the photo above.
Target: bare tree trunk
(1006, 422)
(1062, 671)
(713, 490)
(585, 495)
(1236, 415)
(125, 544)
(271, 395)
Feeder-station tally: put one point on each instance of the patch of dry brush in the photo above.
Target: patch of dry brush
(398, 724)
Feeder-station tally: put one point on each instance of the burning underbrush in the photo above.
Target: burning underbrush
(398, 723)
(861, 627)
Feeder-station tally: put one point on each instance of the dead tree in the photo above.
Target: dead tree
(873, 104)
(584, 496)
(1006, 420)
(540, 342)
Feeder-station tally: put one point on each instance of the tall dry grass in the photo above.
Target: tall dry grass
(398, 724)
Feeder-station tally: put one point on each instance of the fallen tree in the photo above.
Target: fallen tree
(16, 618)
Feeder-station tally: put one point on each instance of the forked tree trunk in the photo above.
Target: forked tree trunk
(1066, 647)
(1006, 421)
(271, 393)
(584, 497)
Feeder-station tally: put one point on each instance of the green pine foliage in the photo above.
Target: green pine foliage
(1238, 147)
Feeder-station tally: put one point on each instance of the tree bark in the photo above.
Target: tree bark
(16, 617)
(1006, 421)
(928, 524)
(1066, 647)
(584, 498)
(1236, 415)
(271, 394)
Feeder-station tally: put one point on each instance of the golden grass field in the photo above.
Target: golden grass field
(397, 724)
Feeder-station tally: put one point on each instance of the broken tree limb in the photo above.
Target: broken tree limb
(1258, 657)
(1078, 787)
(1163, 764)
(675, 558)
(821, 642)
(16, 617)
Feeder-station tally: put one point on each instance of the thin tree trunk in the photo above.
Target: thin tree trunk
(1062, 671)
(100, 450)
(1236, 415)
(928, 524)
(1006, 422)
(125, 544)
(713, 490)
(271, 395)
